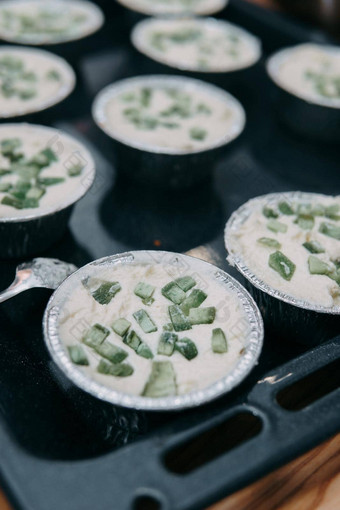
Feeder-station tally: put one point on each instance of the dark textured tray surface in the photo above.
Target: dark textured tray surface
(50, 457)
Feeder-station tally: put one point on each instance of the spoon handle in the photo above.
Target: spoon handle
(15, 288)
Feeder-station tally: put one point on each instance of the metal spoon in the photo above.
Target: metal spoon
(40, 272)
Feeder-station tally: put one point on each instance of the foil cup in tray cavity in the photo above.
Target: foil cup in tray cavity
(78, 381)
(27, 232)
(229, 75)
(72, 41)
(316, 119)
(166, 166)
(285, 316)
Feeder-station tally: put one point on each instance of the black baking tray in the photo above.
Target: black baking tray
(50, 457)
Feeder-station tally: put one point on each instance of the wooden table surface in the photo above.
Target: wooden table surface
(311, 482)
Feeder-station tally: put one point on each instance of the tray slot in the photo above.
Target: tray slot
(213, 443)
(146, 503)
(304, 366)
(310, 389)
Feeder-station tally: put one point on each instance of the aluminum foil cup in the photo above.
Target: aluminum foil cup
(165, 167)
(24, 111)
(285, 317)
(69, 46)
(31, 234)
(316, 121)
(227, 77)
(80, 380)
(169, 8)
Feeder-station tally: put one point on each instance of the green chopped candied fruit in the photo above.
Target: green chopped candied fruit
(117, 370)
(202, 315)
(337, 263)
(53, 74)
(203, 108)
(11, 62)
(144, 290)
(75, 170)
(318, 210)
(20, 189)
(170, 125)
(145, 322)
(335, 275)
(135, 342)
(330, 230)
(9, 146)
(318, 266)
(332, 212)
(7, 88)
(179, 320)
(194, 300)
(25, 172)
(111, 352)
(144, 351)
(219, 341)
(157, 41)
(173, 292)
(128, 97)
(132, 340)
(166, 343)
(30, 203)
(140, 120)
(4, 171)
(286, 208)
(27, 94)
(78, 355)
(198, 133)
(314, 247)
(168, 327)
(106, 292)
(181, 110)
(27, 191)
(268, 212)
(183, 35)
(185, 283)
(29, 76)
(5, 186)
(121, 326)
(187, 348)
(304, 209)
(162, 381)
(148, 301)
(13, 202)
(44, 158)
(277, 226)
(282, 265)
(145, 96)
(50, 181)
(306, 222)
(95, 335)
(268, 241)
(35, 193)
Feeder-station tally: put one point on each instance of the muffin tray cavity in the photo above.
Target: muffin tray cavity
(62, 449)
